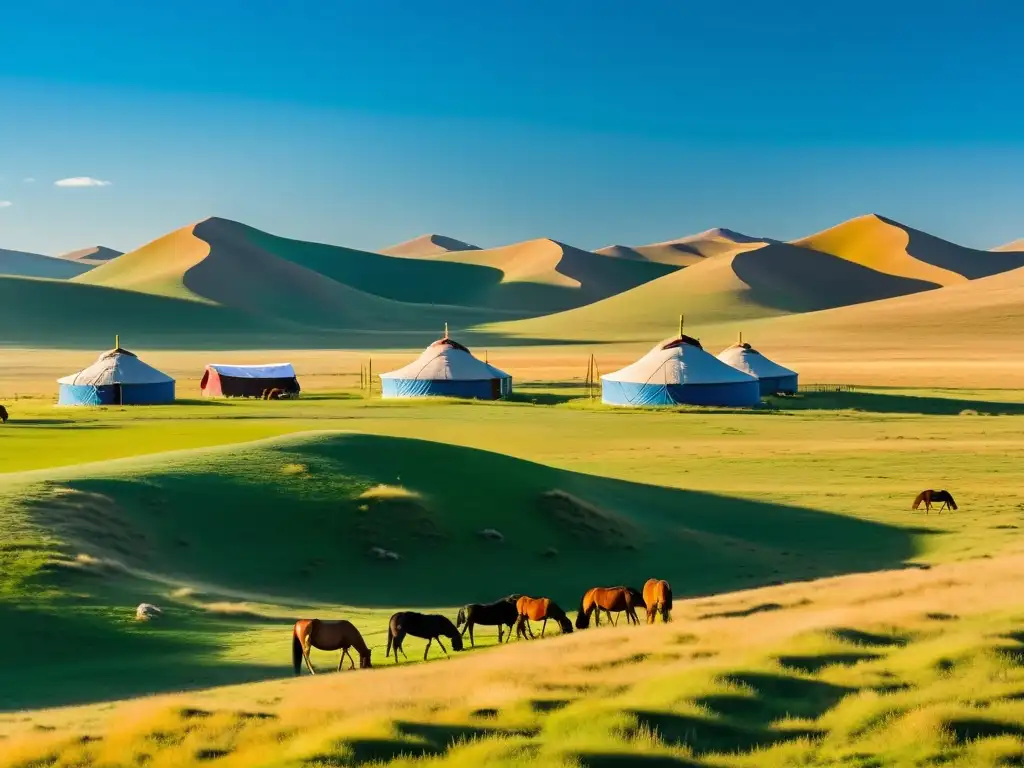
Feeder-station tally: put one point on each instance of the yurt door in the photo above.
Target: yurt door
(496, 389)
(118, 395)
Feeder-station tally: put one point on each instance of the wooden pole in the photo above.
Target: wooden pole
(369, 377)
(117, 341)
(680, 326)
(446, 330)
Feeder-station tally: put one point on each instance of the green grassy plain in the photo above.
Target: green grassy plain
(101, 509)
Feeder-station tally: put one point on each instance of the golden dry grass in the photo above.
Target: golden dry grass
(859, 640)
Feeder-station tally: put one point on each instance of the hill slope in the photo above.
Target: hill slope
(888, 246)
(22, 264)
(428, 245)
(689, 250)
(774, 279)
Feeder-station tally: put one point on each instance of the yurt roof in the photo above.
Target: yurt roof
(265, 371)
(447, 359)
(118, 366)
(745, 358)
(679, 360)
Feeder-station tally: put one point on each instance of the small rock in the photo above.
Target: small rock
(147, 611)
(491, 533)
(391, 556)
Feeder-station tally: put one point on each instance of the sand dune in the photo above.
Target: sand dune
(94, 255)
(1016, 245)
(689, 250)
(771, 280)
(23, 264)
(428, 245)
(891, 247)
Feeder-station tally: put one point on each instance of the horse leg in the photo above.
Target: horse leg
(427, 649)
(305, 655)
(469, 626)
(543, 626)
(442, 647)
(529, 628)
(508, 635)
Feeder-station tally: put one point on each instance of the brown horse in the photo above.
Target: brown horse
(658, 599)
(327, 636)
(539, 609)
(3, 414)
(610, 600)
(930, 497)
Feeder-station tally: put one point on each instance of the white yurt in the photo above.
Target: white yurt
(447, 369)
(774, 378)
(118, 377)
(678, 371)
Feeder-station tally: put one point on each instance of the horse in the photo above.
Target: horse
(539, 609)
(430, 627)
(658, 599)
(609, 599)
(501, 613)
(930, 497)
(3, 415)
(327, 636)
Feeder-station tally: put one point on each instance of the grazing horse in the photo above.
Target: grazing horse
(658, 599)
(3, 415)
(610, 600)
(539, 609)
(502, 613)
(429, 626)
(327, 636)
(930, 497)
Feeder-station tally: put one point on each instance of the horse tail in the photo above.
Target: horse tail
(296, 651)
(666, 605)
(919, 499)
(583, 615)
(461, 618)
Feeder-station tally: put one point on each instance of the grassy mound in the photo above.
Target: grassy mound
(309, 520)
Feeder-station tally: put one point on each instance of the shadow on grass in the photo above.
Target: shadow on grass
(542, 398)
(416, 740)
(704, 735)
(743, 612)
(880, 402)
(611, 760)
(812, 664)
(860, 637)
(965, 730)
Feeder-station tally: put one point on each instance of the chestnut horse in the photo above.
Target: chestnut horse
(539, 609)
(610, 600)
(934, 497)
(327, 636)
(658, 599)
(429, 627)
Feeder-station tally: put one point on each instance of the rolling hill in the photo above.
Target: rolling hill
(292, 276)
(689, 250)
(428, 245)
(887, 246)
(94, 255)
(22, 264)
(774, 279)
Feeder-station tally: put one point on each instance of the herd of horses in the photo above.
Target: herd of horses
(513, 611)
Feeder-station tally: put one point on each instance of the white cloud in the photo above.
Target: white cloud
(5, 203)
(29, 180)
(81, 181)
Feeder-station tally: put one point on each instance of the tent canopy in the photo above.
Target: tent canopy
(773, 377)
(446, 359)
(118, 366)
(267, 371)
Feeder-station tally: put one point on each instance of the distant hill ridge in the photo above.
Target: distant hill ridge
(428, 245)
(94, 255)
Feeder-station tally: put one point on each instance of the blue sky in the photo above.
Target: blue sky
(590, 122)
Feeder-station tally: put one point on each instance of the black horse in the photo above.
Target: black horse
(502, 613)
(430, 627)
(930, 497)
(3, 414)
